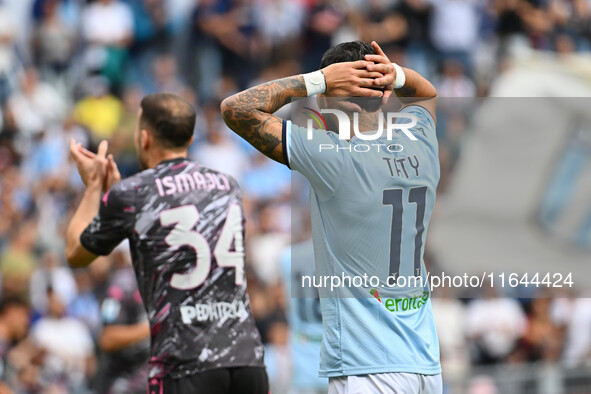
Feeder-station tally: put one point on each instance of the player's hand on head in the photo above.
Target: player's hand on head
(351, 79)
(381, 64)
(92, 167)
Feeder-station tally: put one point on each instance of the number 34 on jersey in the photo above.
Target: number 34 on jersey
(185, 219)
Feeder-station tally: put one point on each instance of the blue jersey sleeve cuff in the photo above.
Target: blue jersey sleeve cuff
(285, 142)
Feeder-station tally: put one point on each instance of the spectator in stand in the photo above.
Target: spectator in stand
(324, 20)
(7, 52)
(511, 27)
(125, 338)
(18, 261)
(265, 180)
(278, 357)
(14, 324)
(279, 23)
(51, 274)
(454, 30)
(539, 23)
(380, 23)
(577, 349)
(37, 106)
(265, 247)
(100, 111)
(450, 319)
(122, 143)
(166, 77)
(151, 37)
(53, 44)
(218, 150)
(85, 306)
(581, 23)
(416, 41)
(453, 82)
(13, 203)
(108, 43)
(494, 325)
(226, 44)
(69, 351)
(542, 340)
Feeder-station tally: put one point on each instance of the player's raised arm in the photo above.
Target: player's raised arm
(98, 172)
(408, 85)
(250, 113)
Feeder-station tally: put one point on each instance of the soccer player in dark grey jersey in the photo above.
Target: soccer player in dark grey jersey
(185, 225)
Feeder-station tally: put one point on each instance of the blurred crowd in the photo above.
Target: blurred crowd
(78, 69)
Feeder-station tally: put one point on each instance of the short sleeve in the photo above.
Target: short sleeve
(320, 158)
(425, 129)
(114, 222)
(424, 118)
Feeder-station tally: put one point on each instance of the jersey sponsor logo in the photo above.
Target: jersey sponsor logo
(402, 304)
(375, 294)
(213, 311)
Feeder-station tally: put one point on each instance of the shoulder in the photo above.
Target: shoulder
(134, 182)
(221, 175)
(424, 117)
(124, 192)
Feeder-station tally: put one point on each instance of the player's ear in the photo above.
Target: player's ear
(190, 141)
(145, 139)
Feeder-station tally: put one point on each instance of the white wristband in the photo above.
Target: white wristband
(400, 76)
(315, 83)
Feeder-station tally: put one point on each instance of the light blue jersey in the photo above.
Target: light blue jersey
(370, 211)
(304, 316)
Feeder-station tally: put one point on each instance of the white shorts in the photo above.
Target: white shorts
(386, 383)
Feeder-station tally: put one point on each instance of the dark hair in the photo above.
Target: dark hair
(170, 118)
(351, 52)
(12, 301)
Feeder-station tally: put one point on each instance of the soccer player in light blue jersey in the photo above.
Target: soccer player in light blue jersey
(372, 196)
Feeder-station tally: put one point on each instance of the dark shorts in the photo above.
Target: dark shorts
(238, 380)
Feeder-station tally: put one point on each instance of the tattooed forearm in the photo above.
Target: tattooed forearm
(249, 113)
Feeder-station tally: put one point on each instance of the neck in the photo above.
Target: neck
(4, 334)
(155, 158)
(367, 121)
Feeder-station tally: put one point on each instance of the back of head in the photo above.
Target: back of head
(170, 119)
(352, 52)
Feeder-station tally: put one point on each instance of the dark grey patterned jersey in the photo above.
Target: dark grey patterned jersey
(185, 226)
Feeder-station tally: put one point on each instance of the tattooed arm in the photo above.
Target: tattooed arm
(250, 113)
